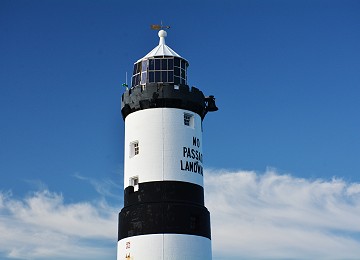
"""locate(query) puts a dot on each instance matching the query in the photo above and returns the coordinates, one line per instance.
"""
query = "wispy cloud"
(254, 216)
(42, 226)
(274, 216)
(104, 187)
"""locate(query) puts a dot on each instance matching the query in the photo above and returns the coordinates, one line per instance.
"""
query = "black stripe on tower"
(164, 207)
(153, 95)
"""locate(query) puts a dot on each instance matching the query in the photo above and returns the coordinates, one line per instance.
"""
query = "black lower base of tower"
(164, 207)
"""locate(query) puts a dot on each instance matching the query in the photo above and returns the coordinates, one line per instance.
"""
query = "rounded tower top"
(159, 79)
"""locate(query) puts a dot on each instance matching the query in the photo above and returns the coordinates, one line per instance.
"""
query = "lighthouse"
(164, 215)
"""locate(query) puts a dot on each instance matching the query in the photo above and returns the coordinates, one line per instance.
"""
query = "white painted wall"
(162, 136)
(165, 247)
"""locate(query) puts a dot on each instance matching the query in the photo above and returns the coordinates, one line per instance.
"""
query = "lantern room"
(161, 65)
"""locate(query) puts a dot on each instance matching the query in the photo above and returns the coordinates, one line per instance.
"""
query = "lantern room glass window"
(160, 69)
(152, 64)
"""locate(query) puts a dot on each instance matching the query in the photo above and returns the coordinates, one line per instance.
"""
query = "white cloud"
(41, 226)
(254, 216)
(273, 216)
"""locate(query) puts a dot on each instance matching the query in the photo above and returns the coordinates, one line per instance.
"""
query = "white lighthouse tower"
(164, 216)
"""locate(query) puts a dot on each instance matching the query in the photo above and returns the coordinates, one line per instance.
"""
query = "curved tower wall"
(169, 150)
(165, 247)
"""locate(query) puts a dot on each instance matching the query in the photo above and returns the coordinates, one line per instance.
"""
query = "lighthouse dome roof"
(162, 49)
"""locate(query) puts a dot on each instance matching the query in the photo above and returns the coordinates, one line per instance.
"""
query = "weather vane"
(159, 26)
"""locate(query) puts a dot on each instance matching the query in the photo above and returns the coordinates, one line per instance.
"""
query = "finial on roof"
(162, 34)
(162, 49)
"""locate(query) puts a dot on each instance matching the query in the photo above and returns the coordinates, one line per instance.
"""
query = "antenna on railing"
(126, 81)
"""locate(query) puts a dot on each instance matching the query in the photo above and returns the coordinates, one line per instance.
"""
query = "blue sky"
(285, 141)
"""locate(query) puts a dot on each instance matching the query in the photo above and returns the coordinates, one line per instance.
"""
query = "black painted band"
(164, 207)
(155, 95)
(164, 191)
(164, 218)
